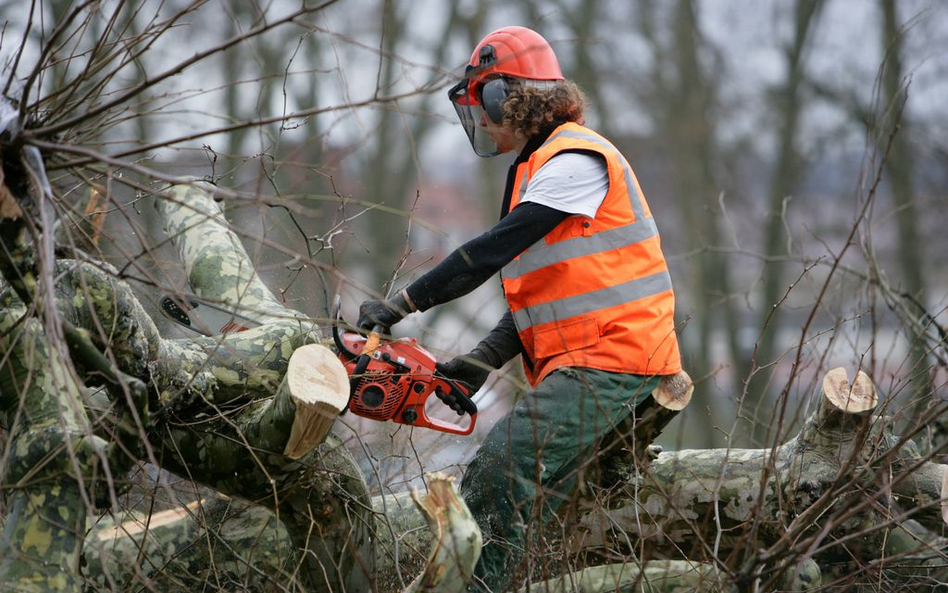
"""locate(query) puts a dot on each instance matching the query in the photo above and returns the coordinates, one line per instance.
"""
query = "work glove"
(472, 369)
(385, 313)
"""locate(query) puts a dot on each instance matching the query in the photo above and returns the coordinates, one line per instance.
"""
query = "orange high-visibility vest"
(594, 292)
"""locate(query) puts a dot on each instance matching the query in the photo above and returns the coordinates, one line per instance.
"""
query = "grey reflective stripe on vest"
(626, 169)
(593, 301)
(540, 254)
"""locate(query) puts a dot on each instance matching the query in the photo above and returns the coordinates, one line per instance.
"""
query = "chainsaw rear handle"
(440, 383)
(444, 426)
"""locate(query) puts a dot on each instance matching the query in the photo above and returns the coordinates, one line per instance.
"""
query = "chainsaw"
(203, 316)
(389, 379)
(393, 380)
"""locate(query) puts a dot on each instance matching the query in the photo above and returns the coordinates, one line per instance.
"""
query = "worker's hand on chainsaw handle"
(471, 370)
(493, 352)
(450, 400)
(384, 313)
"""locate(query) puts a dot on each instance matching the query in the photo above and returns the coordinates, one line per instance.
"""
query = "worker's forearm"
(476, 261)
(501, 344)
(454, 277)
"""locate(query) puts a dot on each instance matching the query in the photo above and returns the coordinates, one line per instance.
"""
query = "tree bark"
(818, 487)
(50, 465)
(220, 425)
(213, 544)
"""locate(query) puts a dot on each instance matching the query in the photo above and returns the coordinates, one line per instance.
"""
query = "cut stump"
(319, 387)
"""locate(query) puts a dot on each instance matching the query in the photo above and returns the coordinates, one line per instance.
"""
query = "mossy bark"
(842, 478)
(217, 422)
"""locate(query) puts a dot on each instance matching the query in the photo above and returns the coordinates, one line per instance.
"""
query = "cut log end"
(674, 391)
(456, 539)
(319, 386)
(856, 398)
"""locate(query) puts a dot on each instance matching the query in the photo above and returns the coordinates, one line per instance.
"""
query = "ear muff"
(493, 96)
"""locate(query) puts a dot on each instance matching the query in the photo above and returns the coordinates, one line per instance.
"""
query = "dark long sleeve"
(501, 344)
(476, 261)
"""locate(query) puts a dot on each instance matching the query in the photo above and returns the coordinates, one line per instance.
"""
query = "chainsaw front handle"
(459, 393)
(368, 349)
(373, 341)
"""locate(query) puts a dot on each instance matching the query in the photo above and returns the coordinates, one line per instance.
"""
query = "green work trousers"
(529, 463)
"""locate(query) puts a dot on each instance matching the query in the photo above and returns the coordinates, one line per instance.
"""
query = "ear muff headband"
(493, 95)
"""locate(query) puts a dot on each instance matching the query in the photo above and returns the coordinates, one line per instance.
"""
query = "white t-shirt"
(572, 182)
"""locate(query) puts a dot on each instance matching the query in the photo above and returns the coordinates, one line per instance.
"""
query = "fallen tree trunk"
(819, 496)
(816, 490)
(831, 492)
(219, 424)
(228, 543)
(239, 542)
(215, 543)
(657, 576)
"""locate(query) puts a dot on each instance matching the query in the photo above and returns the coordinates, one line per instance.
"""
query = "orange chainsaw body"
(397, 382)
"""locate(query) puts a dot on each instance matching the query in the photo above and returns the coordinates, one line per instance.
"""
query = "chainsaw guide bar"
(203, 316)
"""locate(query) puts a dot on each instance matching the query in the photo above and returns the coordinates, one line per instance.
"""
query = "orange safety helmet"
(507, 54)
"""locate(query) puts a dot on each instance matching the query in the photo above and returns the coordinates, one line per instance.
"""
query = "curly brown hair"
(529, 109)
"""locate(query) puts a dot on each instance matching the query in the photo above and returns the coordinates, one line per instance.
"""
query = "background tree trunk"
(757, 375)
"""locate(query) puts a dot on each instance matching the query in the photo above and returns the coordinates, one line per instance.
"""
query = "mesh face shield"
(475, 107)
(503, 60)
(478, 100)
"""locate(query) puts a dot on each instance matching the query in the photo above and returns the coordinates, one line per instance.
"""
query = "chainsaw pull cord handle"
(362, 362)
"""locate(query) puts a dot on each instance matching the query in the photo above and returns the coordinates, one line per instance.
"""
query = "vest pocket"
(565, 336)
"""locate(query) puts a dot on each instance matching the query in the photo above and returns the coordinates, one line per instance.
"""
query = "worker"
(591, 306)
